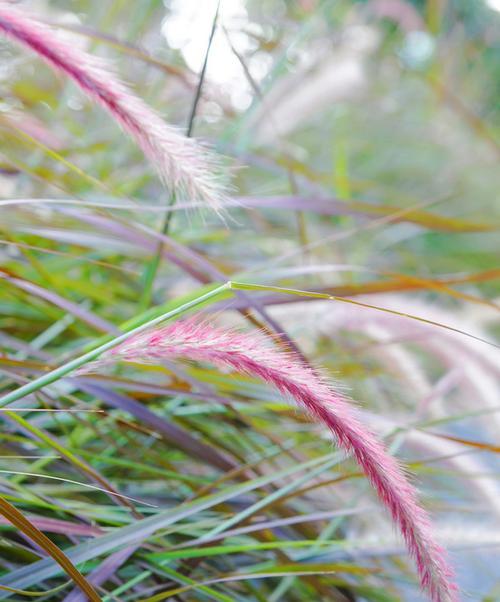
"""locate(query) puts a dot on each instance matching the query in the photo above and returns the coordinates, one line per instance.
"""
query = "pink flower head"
(251, 354)
(183, 164)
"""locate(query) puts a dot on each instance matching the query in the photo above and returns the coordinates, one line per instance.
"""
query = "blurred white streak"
(329, 76)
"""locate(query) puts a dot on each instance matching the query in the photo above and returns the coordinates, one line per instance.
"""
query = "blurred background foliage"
(364, 142)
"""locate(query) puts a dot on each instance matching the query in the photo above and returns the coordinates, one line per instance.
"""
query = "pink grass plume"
(253, 355)
(184, 165)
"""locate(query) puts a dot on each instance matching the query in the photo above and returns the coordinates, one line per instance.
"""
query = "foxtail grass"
(251, 354)
(186, 166)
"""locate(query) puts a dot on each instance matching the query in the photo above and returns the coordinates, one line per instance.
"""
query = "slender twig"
(202, 74)
(152, 268)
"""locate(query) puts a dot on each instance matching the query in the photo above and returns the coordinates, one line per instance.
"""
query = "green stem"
(152, 268)
(197, 95)
(246, 286)
(93, 354)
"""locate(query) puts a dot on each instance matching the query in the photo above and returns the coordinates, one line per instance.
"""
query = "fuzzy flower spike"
(251, 354)
(183, 164)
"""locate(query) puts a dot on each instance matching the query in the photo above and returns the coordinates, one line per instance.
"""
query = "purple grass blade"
(63, 527)
(103, 572)
(73, 308)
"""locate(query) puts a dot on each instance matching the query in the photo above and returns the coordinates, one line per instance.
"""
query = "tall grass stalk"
(250, 354)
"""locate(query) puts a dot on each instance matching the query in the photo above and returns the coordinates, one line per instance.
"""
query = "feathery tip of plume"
(185, 165)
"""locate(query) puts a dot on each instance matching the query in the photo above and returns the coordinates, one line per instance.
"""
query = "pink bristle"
(184, 164)
(251, 354)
